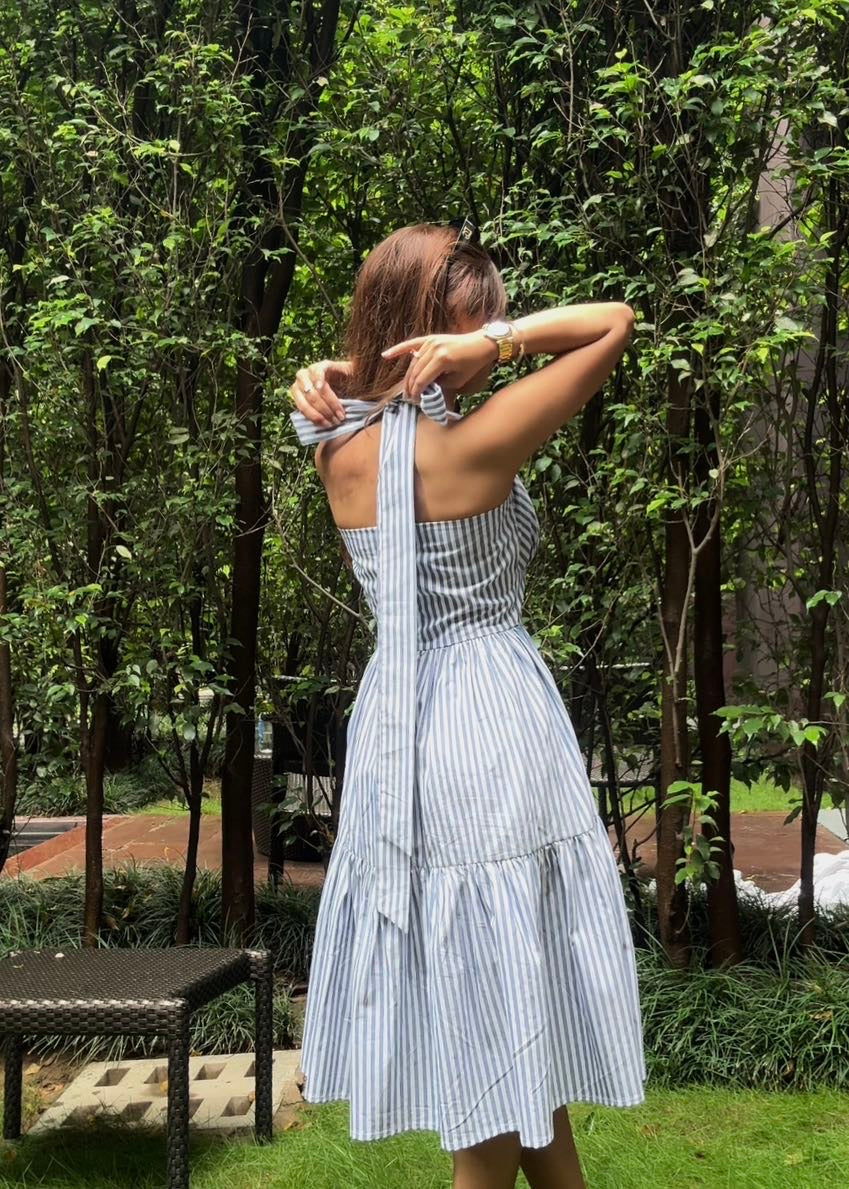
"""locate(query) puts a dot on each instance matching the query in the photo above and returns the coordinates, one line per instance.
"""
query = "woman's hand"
(313, 396)
(452, 358)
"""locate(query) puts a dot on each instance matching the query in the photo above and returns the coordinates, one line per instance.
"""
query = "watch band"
(505, 349)
(506, 343)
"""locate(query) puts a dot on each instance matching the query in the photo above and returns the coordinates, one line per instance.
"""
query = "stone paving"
(765, 850)
(221, 1092)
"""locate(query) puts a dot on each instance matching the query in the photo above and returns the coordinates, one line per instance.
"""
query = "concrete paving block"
(221, 1091)
(835, 821)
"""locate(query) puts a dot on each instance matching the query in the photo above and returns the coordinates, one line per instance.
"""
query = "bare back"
(445, 486)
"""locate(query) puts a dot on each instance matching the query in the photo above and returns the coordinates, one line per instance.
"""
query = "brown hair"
(417, 281)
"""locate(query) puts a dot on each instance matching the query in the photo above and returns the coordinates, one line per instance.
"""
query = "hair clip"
(468, 232)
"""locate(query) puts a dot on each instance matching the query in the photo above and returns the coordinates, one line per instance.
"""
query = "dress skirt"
(515, 989)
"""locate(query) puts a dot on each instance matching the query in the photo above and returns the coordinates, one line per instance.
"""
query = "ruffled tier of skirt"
(514, 992)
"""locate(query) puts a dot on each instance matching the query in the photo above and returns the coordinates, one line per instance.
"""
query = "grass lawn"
(698, 1137)
(755, 798)
(761, 797)
(210, 806)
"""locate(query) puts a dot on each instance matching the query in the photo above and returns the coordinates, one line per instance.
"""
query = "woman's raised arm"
(507, 429)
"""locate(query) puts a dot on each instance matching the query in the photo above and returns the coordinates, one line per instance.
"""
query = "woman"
(473, 969)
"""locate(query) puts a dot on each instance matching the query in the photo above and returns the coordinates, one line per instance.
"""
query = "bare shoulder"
(452, 467)
(459, 449)
(345, 465)
(327, 450)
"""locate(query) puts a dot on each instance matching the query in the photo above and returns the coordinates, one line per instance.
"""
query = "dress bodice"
(470, 572)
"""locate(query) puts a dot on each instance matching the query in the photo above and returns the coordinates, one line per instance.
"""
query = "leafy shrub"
(745, 1026)
(123, 792)
(140, 906)
(58, 796)
(160, 732)
(771, 935)
(777, 1021)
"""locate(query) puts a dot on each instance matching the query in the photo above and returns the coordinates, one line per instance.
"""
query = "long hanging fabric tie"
(397, 629)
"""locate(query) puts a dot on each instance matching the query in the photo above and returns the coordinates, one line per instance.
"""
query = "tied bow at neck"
(397, 629)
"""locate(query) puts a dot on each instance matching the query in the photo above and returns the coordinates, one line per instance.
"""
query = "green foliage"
(604, 156)
(125, 223)
(140, 909)
(775, 1023)
(745, 1026)
(66, 797)
(770, 932)
(581, 147)
(696, 863)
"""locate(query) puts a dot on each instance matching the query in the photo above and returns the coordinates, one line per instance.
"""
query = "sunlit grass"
(210, 806)
(698, 1137)
(762, 796)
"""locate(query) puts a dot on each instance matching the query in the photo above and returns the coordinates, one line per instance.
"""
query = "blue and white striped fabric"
(396, 633)
(473, 967)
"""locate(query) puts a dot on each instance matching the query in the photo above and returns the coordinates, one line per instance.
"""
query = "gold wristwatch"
(504, 335)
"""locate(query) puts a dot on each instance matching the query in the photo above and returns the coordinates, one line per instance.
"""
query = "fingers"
(311, 383)
(314, 397)
(303, 406)
(318, 372)
(418, 364)
(344, 367)
(429, 364)
(337, 369)
(400, 348)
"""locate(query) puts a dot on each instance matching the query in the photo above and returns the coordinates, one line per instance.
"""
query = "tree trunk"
(92, 728)
(237, 884)
(119, 740)
(726, 940)
(683, 205)
(14, 249)
(619, 825)
(825, 521)
(198, 759)
(265, 285)
(95, 752)
(8, 751)
(674, 749)
(183, 932)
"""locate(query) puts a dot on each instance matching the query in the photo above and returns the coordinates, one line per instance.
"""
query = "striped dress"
(473, 967)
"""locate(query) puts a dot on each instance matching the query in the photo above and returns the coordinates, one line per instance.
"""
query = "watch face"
(497, 328)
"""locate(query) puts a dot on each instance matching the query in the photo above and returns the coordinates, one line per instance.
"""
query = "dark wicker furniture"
(134, 991)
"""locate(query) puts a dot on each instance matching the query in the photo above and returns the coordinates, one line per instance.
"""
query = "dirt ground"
(44, 1079)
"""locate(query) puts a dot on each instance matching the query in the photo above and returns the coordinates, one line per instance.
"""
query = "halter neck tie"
(397, 628)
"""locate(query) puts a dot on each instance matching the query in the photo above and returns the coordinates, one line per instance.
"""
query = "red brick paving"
(147, 838)
(766, 851)
(55, 846)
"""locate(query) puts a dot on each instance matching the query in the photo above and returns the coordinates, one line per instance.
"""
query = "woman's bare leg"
(493, 1164)
(557, 1166)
